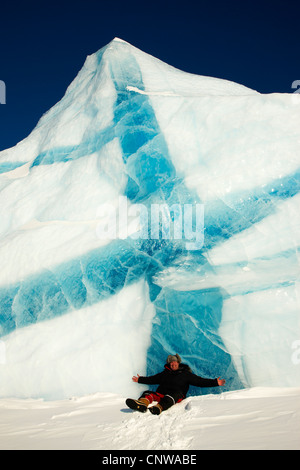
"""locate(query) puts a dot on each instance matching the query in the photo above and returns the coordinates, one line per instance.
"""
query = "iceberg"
(151, 211)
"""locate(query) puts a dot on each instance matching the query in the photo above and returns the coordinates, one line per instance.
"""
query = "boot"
(144, 401)
(156, 409)
(139, 405)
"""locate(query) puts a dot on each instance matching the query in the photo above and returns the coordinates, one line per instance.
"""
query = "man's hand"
(221, 382)
(135, 379)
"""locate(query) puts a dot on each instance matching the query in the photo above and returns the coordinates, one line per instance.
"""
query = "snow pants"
(165, 401)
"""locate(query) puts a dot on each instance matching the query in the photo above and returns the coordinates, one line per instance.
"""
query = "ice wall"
(84, 306)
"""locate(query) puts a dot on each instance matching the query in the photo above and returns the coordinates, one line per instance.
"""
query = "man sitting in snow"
(174, 382)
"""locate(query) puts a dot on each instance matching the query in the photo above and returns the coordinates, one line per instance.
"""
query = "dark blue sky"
(43, 45)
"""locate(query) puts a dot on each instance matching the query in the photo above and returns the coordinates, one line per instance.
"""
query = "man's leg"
(151, 396)
(142, 403)
(164, 404)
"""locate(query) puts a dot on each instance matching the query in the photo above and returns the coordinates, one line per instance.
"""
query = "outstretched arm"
(151, 380)
(201, 382)
(221, 382)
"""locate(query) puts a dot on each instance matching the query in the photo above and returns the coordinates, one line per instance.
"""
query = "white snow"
(256, 418)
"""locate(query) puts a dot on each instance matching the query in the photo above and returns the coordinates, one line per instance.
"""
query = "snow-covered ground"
(256, 418)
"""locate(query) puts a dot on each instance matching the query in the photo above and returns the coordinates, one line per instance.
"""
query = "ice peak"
(118, 40)
(182, 83)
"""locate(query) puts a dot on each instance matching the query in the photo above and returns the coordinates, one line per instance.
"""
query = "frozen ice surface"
(81, 313)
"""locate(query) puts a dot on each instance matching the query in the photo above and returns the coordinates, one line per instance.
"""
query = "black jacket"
(176, 382)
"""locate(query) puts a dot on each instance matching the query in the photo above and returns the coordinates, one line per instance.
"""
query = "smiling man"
(173, 381)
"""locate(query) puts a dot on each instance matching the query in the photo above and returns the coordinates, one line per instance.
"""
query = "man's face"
(174, 365)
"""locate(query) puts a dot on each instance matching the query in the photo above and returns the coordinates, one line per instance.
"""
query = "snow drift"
(91, 292)
(251, 419)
